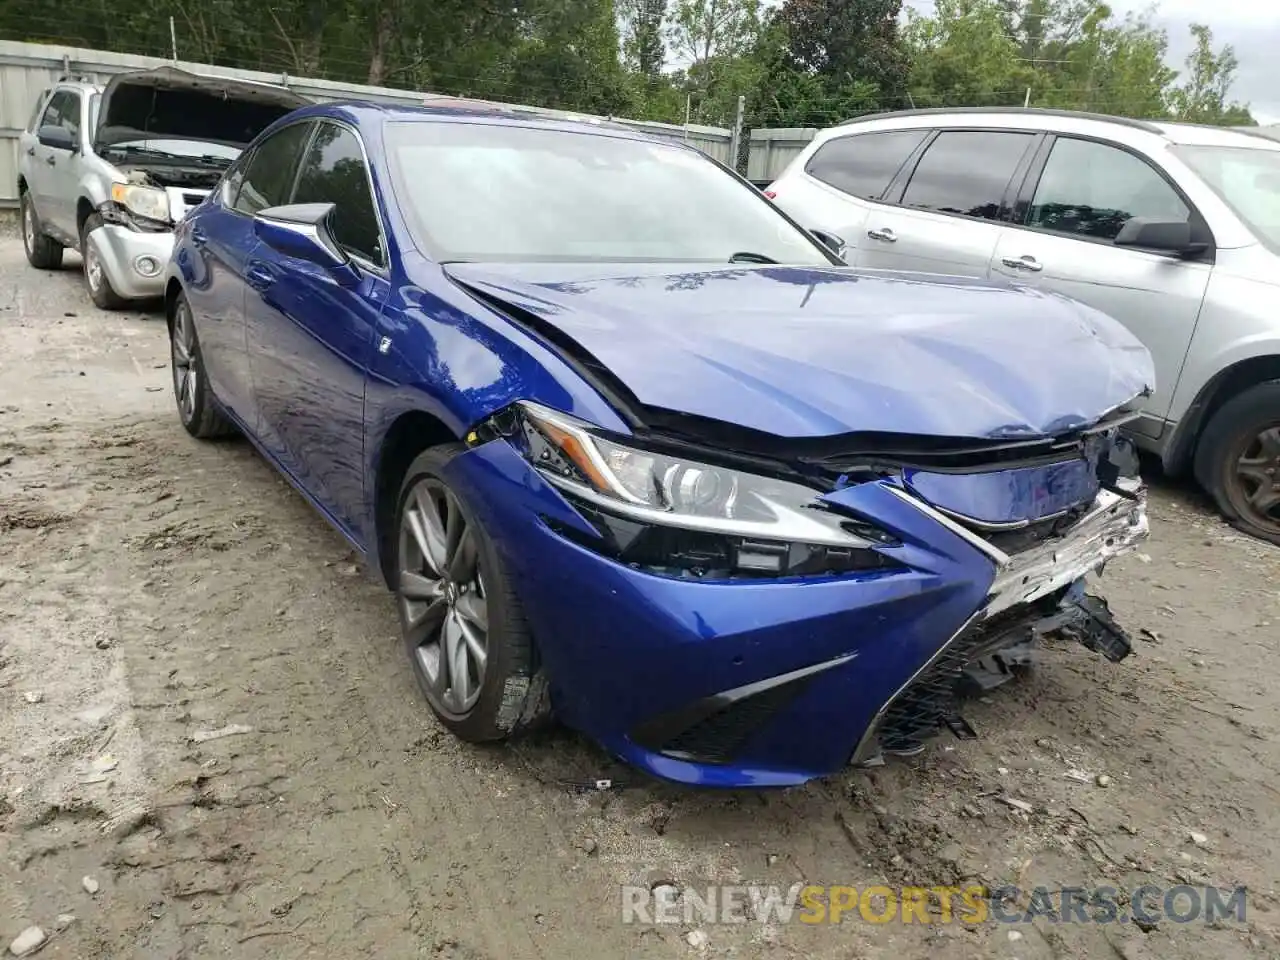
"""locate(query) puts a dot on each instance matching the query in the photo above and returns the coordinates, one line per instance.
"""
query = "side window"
(966, 172)
(334, 172)
(268, 176)
(1091, 189)
(862, 165)
(63, 111)
(34, 124)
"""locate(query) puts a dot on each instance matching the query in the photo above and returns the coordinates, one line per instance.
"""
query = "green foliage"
(794, 62)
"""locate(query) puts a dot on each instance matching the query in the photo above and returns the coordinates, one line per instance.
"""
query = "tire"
(475, 606)
(43, 252)
(1238, 460)
(197, 408)
(95, 277)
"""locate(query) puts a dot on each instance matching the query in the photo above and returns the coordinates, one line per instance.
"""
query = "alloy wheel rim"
(185, 372)
(1257, 478)
(92, 267)
(29, 226)
(443, 604)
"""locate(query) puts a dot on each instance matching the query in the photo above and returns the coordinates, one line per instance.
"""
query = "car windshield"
(501, 192)
(1247, 179)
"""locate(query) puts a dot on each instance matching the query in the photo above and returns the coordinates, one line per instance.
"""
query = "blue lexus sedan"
(631, 447)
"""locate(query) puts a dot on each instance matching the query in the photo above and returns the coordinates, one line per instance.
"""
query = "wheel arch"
(172, 290)
(411, 433)
(84, 210)
(1227, 383)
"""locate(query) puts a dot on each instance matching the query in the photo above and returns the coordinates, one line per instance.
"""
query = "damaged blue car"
(630, 446)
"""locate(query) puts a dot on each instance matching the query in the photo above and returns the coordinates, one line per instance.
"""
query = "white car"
(1173, 229)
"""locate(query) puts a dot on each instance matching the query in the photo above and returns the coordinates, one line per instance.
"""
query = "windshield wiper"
(748, 256)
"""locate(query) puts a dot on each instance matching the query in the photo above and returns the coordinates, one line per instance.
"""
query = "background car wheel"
(196, 407)
(1238, 460)
(43, 252)
(463, 627)
(95, 276)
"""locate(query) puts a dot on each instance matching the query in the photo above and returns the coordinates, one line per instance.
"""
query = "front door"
(1085, 194)
(311, 339)
(51, 181)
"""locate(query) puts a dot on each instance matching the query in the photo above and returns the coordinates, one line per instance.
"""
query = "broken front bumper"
(133, 260)
(1035, 592)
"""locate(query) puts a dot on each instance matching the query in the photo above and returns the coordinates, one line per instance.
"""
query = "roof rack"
(1031, 111)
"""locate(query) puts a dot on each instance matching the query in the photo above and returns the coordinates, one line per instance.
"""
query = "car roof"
(1065, 121)
(445, 109)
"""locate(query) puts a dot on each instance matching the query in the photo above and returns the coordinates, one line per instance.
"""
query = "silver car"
(1173, 229)
(109, 170)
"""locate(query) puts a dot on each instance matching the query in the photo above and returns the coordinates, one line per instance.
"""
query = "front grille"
(929, 701)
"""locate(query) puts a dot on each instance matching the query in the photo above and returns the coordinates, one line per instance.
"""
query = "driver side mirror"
(1164, 236)
(301, 230)
(59, 138)
(832, 242)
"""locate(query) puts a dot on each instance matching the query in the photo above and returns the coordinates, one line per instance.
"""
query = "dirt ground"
(154, 589)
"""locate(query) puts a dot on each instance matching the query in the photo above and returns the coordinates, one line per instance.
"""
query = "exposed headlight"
(148, 202)
(660, 511)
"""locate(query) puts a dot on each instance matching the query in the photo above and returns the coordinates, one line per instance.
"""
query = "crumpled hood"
(822, 351)
(174, 104)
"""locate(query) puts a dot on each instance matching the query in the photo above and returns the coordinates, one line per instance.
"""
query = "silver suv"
(108, 171)
(1173, 229)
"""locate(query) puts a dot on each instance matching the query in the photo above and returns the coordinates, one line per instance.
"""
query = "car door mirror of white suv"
(59, 138)
(1165, 236)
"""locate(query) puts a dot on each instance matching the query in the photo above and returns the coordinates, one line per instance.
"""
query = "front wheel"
(43, 252)
(463, 628)
(95, 274)
(1238, 460)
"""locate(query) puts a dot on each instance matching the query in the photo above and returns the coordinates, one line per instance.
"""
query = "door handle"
(259, 276)
(883, 233)
(51, 160)
(1025, 262)
(31, 151)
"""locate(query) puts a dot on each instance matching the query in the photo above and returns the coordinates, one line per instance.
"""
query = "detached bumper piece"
(985, 655)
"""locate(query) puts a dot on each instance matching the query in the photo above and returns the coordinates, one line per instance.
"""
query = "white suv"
(1173, 229)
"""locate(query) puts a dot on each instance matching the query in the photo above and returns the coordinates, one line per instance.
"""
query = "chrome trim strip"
(997, 556)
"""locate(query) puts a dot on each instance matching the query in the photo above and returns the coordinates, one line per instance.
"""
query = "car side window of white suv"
(63, 111)
(1090, 189)
(863, 165)
(967, 172)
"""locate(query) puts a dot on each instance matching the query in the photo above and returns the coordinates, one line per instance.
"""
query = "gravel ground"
(154, 589)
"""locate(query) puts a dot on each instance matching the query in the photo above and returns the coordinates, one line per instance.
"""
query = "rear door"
(843, 181)
(311, 338)
(1078, 195)
(950, 206)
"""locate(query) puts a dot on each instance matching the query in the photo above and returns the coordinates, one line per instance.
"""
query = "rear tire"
(95, 275)
(43, 252)
(462, 625)
(197, 408)
(1238, 460)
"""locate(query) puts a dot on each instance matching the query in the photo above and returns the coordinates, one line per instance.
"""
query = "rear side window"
(864, 164)
(334, 172)
(268, 177)
(966, 172)
(1091, 190)
(33, 125)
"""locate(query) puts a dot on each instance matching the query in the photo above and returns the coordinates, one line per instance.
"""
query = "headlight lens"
(148, 202)
(661, 511)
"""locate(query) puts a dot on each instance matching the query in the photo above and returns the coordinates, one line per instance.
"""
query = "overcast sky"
(1252, 27)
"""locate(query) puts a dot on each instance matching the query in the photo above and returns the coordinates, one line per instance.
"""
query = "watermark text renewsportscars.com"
(970, 905)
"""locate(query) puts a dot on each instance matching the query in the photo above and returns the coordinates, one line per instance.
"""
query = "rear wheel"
(197, 409)
(95, 275)
(463, 628)
(1238, 460)
(43, 252)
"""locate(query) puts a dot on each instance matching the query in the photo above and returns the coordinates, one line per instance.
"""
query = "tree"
(1203, 97)
(847, 42)
(642, 42)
